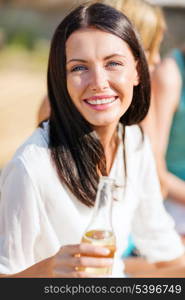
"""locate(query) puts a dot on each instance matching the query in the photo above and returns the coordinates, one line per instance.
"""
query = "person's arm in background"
(149, 125)
(149, 270)
(166, 88)
(159, 245)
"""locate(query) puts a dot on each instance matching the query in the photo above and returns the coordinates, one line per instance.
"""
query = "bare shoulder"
(167, 74)
(167, 84)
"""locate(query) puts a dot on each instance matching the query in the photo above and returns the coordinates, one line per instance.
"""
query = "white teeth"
(102, 101)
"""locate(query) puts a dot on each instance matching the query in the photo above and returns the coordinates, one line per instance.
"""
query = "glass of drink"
(100, 231)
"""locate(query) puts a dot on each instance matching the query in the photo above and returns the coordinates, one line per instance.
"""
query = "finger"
(63, 270)
(76, 274)
(81, 274)
(66, 268)
(84, 249)
(85, 261)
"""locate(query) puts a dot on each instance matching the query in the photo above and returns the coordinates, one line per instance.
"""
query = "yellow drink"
(100, 238)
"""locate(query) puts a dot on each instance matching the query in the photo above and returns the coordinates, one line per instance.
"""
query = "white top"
(38, 214)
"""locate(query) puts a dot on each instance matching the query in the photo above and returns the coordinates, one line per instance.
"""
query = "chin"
(104, 118)
(102, 123)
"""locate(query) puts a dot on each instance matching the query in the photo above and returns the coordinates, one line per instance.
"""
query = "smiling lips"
(100, 102)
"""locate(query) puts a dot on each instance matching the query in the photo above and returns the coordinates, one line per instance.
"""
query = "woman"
(98, 86)
(169, 92)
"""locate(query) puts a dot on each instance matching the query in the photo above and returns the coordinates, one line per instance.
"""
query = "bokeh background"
(26, 28)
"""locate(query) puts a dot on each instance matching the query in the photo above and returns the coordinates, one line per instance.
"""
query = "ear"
(136, 79)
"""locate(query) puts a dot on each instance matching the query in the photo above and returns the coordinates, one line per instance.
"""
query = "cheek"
(75, 86)
(72, 87)
(127, 76)
(124, 83)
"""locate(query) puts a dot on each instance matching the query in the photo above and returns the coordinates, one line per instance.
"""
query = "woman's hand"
(72, 260)
(69, 262)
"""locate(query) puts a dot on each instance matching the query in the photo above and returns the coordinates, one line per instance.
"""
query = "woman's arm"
(176, 188)
(140, 267)
(173, 269)
(70, 261)
(40, 269)
(153, 229)
(21, 229)
(166, 89)
(149, 125)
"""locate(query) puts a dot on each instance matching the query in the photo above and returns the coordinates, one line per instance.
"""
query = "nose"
(98, 80)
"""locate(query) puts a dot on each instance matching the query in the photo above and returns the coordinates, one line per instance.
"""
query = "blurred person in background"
(96, 94)
(169, 93)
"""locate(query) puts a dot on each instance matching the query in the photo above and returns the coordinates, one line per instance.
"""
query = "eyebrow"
(105, 58)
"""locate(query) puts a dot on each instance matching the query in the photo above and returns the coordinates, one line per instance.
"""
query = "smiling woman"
(101, 84)
(99, 89)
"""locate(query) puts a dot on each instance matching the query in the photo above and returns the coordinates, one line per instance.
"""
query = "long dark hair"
(75, 149)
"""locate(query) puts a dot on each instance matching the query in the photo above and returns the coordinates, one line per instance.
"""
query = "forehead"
(91, 41)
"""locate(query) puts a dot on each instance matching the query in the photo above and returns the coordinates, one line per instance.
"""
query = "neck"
(107, 135)
(109, 139)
